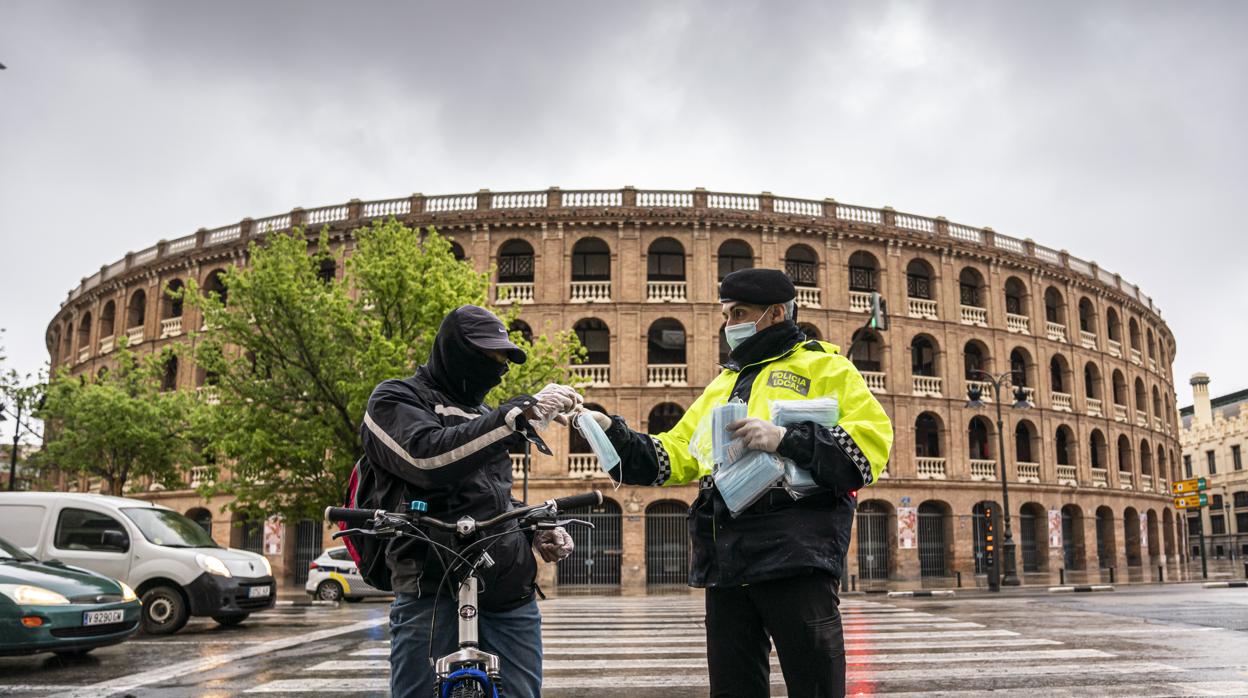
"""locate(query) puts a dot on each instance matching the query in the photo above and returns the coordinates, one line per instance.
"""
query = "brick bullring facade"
(635, 272)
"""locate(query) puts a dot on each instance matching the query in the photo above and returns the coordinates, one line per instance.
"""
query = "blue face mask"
(735, 334)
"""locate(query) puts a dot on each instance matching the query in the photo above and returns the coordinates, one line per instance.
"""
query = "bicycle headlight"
(27, 595)
(212, 565)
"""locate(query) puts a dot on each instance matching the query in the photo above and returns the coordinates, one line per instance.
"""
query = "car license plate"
(102, 617)
(258, 592)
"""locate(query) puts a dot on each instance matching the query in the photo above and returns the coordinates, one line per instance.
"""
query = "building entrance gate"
(872, 541)
(667, 544)
(932, 543)
(595, 561)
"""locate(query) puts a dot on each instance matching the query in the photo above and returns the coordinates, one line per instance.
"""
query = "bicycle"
(468, 672)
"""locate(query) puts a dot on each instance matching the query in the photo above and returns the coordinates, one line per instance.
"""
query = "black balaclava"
(462, 370)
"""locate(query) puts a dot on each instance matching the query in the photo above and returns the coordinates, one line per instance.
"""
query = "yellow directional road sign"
(1191, 501)
(1190, 486)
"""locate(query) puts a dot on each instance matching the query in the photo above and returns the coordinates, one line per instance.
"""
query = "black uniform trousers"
(800, 614)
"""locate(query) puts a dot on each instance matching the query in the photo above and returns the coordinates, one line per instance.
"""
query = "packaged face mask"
(608, 458)
(743, 482)
(724, 449)
(823, 411)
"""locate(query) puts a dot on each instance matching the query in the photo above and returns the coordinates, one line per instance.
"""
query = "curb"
(926, 592)
(1224, 585)
(1081, 588)
(304, 602)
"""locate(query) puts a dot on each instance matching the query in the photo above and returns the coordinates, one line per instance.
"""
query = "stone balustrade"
(517, 466)
(1141, 420)
(1136, 358)
(1019, 324)
(875, 381)
(1028, 472)
(922, 308)
(84, 354)
(1061, 401)
(1100, 477)
(591, 292)
(983, 469)
(134, 336)
(1146, 482)
(927, 385)
(808, 297)
(1030, 394)
(514, 292)
(974, 316)
(594, 375)
(1114, 348)
(170, 327)
(583, 465)
(1094, 407)
(984, 388)
(107, 344)
(1087, 339)
(667, 374)
(1126, 480)
(1055, 331)
(859, 301)
(930, 468)
(667, 292)
(1120, 413)
(1067, 475)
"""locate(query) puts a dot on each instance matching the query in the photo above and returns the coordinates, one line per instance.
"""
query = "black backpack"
(369, 553)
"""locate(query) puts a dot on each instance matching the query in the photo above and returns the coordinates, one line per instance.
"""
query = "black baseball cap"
(482, 329)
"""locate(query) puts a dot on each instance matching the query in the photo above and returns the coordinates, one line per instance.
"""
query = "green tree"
(120, 425)
(295, 355)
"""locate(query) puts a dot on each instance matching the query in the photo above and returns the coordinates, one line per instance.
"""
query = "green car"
(52, 607)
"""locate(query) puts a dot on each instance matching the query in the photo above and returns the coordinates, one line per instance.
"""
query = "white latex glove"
(553, 545)
(757, 434)
(553, 402)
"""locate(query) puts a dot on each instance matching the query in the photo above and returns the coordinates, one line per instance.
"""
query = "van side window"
(79, 529)
(22, 523)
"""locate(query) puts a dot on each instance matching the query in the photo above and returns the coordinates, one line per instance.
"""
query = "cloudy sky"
(1113, 129)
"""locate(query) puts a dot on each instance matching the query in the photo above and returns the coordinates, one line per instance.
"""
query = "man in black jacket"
(431, 439)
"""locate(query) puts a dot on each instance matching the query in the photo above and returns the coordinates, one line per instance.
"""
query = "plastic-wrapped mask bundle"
(823, 411)
(743, 482)
(608, 459)
(724, 449)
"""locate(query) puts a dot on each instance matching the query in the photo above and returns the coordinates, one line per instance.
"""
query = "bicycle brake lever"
(581, 522)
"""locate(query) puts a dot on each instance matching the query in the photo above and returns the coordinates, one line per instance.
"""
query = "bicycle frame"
(469, 653)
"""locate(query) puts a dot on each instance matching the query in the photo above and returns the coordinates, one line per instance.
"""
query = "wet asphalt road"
(1173, 640)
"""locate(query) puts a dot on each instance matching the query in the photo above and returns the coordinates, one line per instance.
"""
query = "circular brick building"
(1088, 461)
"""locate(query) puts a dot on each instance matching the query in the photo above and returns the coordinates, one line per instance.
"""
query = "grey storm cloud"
(1112, 129)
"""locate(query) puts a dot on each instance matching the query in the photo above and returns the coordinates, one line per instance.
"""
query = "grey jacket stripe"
(440, 460)
(451, 410)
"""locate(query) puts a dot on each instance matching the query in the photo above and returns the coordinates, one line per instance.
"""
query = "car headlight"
(127, 594)
(27, 595)
(212, 565)
(268, 569)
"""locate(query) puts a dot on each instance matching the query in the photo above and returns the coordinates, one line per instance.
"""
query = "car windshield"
(10, 552)
(168, 528)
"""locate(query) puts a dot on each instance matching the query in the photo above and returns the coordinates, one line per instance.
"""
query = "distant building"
(1214, 437)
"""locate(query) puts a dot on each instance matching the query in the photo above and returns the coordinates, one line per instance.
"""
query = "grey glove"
(553, 545)
(757, 434)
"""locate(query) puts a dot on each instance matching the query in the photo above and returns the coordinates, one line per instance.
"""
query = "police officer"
(772, 571)
(430, 438)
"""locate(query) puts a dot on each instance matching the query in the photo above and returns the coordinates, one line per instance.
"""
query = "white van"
(172, 564)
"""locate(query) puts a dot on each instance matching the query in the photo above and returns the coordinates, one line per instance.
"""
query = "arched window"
(979, 442)
(169, 376)
(84, 332)
(1124, 454)
(970, 288)
(515, 262)
(1120, 388)
(1054, 306)
(923, 356)
(1063, 444)
(1087, 316)
(974, 358)
(1072, 537)
(919, 278)
(927, 436)
(874, 539)
(1092, 381)
(1024, 435)
(935, 551)
(596, 338)
(1015, 296)
(1152, 344)
(802, 266)
(867, 353)
(1020, 368)
(1133, 329)
(1146, 459)
(1157, 409)
(327, 270)
(1113, 326)
(136, 310)
(663, 417)
(201, 516)
(171, 304)
(1141, 398)
(215, 284)
(525, 331)
(665, 342)
(809, 330)
(108, 319)
(457, 251)
(1097, 448)
(665, 261)
(1105, 541)
(1058, 371)
(734, 255)
(863, 272)
(591, 260)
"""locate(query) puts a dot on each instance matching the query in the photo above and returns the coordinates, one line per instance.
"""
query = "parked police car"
(333, 577)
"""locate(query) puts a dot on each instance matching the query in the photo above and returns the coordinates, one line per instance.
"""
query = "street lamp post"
(1003, 564)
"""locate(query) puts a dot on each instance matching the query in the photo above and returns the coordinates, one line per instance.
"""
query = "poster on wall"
(273, 530)
(1055, 528)
(907, 527)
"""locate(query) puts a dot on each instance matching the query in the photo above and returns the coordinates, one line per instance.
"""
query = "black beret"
(757, 287)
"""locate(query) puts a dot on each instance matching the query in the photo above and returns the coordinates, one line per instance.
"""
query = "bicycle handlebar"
(363, 516)
(351, 516)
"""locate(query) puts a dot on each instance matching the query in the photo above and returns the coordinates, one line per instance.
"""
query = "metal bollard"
(960, 575)
(1061, 575)
(1161, 573)
(1111, 575)
(853, 582)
